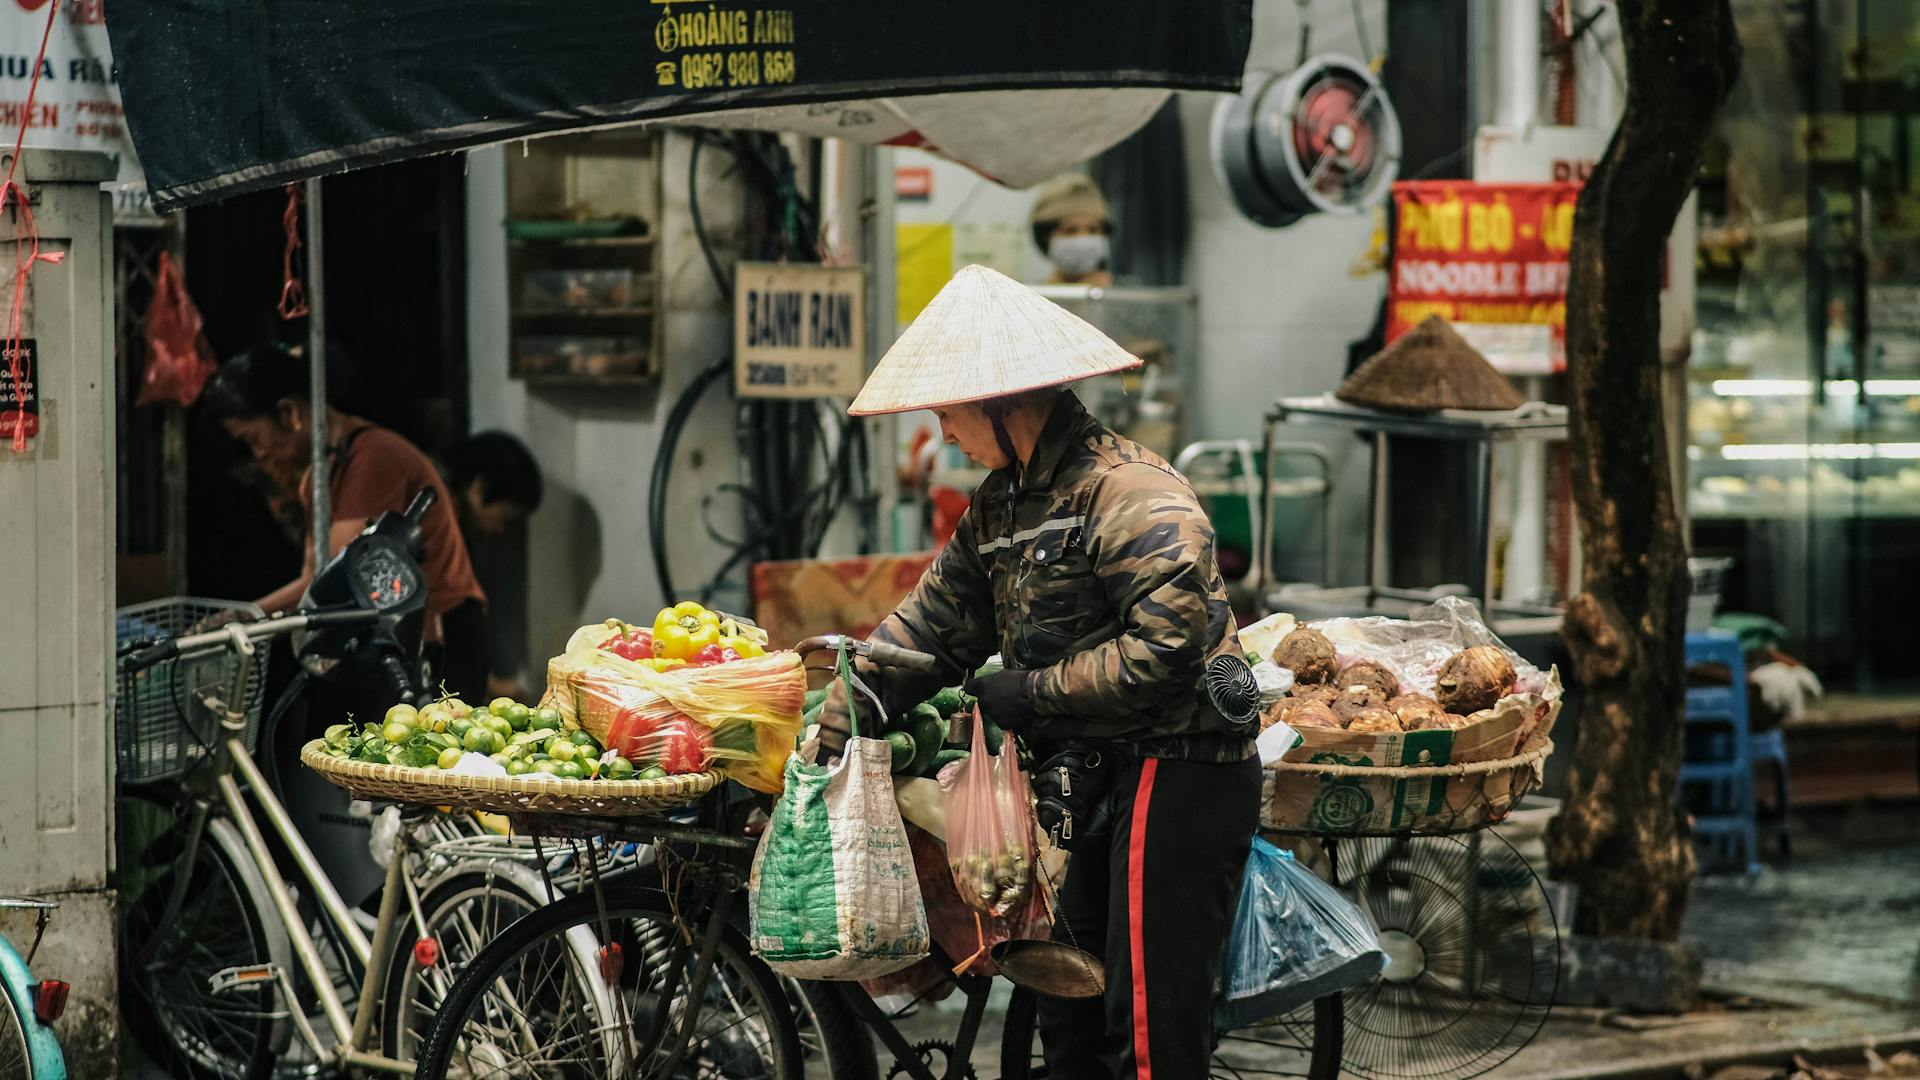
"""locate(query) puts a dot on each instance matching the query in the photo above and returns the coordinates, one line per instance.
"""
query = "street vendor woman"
(1086, 563)
(260, 397)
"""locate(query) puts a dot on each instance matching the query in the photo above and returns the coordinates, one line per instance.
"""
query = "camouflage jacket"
(1093, 570)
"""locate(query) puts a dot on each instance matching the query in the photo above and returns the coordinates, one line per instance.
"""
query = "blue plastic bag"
(1294, 939)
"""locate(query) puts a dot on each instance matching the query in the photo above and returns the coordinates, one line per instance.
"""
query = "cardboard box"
(798, 599)
(1408, 798)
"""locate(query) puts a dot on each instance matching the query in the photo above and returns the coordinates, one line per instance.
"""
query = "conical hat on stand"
(1430, 368)
(986, 336)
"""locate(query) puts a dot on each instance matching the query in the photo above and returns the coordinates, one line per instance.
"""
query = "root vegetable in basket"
(1367, 673)
(1418, 712)
(1354, 699)
(1310, 714)
(1325, 695)
(1375, 718)
(1473, 679)
(1308, 654)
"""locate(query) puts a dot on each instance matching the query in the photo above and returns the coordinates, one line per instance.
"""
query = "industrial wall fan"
(1322, 139)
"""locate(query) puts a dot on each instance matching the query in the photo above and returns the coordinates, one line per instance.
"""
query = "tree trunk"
(1622, 836)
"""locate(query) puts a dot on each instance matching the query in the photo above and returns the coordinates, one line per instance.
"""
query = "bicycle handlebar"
(273, 626)
(879, 652)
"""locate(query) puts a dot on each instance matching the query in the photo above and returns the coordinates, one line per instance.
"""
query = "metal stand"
(1533, 422)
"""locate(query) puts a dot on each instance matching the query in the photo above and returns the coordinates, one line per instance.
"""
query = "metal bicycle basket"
(160, 733)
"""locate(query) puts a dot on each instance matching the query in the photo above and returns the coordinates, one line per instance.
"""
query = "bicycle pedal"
(252, 976)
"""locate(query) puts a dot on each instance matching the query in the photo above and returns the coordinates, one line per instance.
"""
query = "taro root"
(1325, 694)
(1440, 720)
(1310, 714)
(1417, 712)
(1368, 673)
(1376, 718)
(1308, 654)
(1473, 679)
(1275, 712)
(1355, 698)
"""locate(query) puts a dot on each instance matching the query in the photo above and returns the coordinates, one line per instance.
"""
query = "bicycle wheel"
(531, 1006)
(1306, 1043)
(463, 909)
(16, 1057)
(227, 921)
(833, 1041)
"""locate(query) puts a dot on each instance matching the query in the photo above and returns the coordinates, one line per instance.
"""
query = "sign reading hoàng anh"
(1491, 258)
(799, 330)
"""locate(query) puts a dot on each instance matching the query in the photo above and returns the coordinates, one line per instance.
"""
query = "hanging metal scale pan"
(1323, 139)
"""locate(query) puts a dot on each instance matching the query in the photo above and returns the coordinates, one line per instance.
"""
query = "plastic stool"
(1716, 779)
(1725, 843)
(1770, 747)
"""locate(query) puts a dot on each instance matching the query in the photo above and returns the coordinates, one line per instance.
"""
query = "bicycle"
(218, 972)
(28, 1006)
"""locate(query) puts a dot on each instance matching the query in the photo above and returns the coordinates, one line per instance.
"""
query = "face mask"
(1078, 255)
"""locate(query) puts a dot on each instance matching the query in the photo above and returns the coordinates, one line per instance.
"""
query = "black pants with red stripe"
(1156, 902)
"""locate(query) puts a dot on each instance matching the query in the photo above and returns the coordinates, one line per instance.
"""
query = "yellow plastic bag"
(745, 713)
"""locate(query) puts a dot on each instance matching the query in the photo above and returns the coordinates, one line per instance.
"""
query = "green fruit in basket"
(499, 726)
(372, 748)
(519, 716)
(582, 737)
(397, 731)
(544, 720)
(903, 748)
(479, 740)
(548, 766)
(404, 713)
(499, 706)
(337, 735)
(449, 757)
(617, 769)
(416, 754)
(441, 740)
(459, 728)
(651, 772)
(562, 750)
(570, 770)
(456, 707)
(519, 766)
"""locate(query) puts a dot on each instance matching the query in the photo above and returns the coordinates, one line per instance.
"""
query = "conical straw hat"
(1430, 368)
(986, 336)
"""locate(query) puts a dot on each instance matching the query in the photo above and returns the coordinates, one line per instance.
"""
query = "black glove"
(1006, 698)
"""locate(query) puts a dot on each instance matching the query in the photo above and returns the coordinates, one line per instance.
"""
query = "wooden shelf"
(569, 379)
(645, 240)
(555, 314)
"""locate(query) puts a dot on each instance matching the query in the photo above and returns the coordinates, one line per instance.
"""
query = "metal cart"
(1534, 421)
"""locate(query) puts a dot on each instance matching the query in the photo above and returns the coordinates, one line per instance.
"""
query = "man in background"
(496, 486)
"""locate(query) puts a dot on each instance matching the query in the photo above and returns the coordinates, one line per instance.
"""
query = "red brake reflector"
(50, 1000)
(426, 952)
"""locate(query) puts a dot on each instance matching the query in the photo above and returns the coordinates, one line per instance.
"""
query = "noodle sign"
(799, 330)
(1489, 257)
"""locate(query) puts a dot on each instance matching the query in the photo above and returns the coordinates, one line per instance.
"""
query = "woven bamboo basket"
(1327, 799)
(505, 795)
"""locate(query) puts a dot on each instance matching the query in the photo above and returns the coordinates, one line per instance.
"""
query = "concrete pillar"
(56, 632)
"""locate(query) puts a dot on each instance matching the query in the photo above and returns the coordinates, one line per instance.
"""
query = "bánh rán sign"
(799, 330)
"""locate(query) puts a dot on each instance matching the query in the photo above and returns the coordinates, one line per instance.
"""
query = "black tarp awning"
(227, 96)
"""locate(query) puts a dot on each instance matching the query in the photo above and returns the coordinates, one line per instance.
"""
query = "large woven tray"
(433, 787)
(1329, 799)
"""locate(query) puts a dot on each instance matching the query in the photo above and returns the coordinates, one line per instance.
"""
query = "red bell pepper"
(633, 643)
(684, 746)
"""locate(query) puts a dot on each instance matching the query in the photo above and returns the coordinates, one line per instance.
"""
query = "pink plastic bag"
(179, 360)
(990, 828)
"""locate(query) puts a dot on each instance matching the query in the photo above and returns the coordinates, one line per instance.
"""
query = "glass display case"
(1804, 383)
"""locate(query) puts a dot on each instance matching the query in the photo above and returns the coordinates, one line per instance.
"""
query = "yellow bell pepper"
(745, 646)
(681, 631)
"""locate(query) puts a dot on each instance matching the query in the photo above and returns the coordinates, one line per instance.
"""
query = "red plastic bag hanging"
(179, 360)
(990, 828)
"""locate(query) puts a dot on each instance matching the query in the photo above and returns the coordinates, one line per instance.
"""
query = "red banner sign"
(1491, 259)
